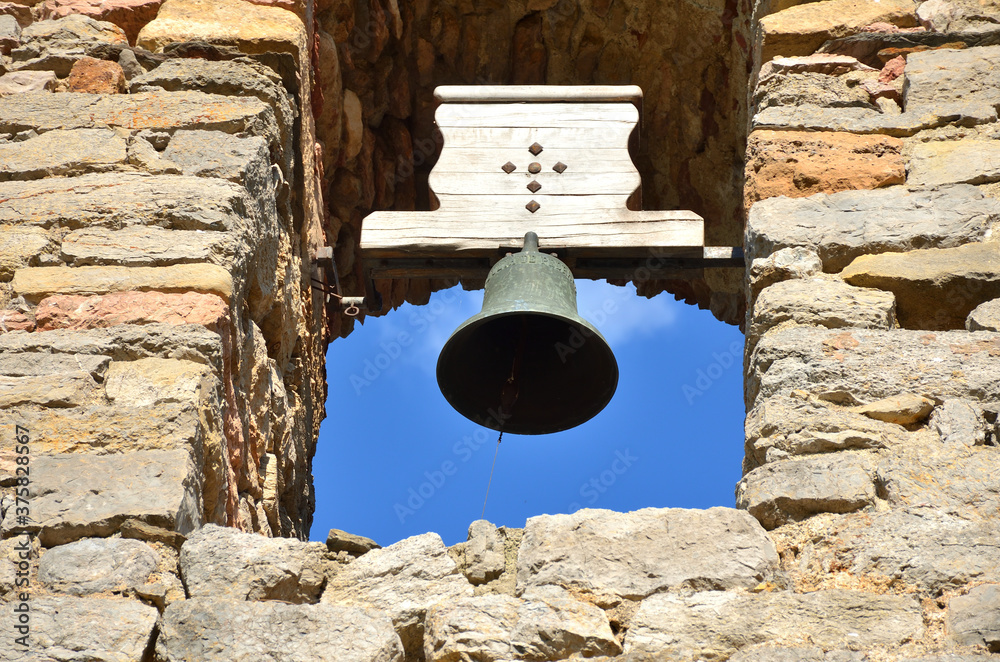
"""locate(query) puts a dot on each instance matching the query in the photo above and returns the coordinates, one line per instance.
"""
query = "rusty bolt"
(533, 186)
(508, 167)
(534, 168)
(532, 206)
(535, 149)
(560, 167)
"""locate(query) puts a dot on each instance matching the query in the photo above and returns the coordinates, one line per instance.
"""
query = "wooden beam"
(536, 93)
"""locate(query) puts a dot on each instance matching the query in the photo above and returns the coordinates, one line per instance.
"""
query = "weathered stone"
(221, 562)
(945, 81)
(810, 117)
(219, 630)
(342, 541)
(12, 320)
(153, 381)
(125, 342)
(801, 30)
(951, 478)
(716, 624)
(22, 13)
(781, 426)
(10, 33)
(631, 555)
(827, 302)
(251, 28)
(94, 312)
(985, 317)
(129, 15)
(144, 156)
(37, 365)
(67, 389)
(483, 553)
(919, 548)
(56, 45)
(783, 264)
(129, 64)
(63, 628)
(797, 164)
(36, 283)
(145, 110)
(62, 153)
(81, 496)
(935, 288)
(214, 154)
(902, 409)
(968, 161)
(17, 82)
(93, 565)
(404, 580)
(958, 422)
(959, 16)
(945, 364)
(842, 226)
(353, 126)
(120, 199)
(767, 653)
(974, 618)
(794, 489)
(96, 77)
(546, 625)
(140, 246)
(831, 65)
(20, 247)
(820, 89)
(139, 530)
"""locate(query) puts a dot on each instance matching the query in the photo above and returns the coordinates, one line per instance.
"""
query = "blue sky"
(395, 460)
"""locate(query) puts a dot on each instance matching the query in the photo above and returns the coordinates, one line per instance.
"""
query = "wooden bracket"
(553, 160)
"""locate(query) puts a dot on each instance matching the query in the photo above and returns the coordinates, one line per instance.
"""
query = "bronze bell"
(528, 363)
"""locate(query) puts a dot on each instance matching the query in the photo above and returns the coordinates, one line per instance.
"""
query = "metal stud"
(533, 186)
(532, 206)
(508, 167)
(560, 167)
(535, 149)
(534, 168)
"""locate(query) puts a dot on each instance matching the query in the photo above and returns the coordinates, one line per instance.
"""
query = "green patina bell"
(528, 363)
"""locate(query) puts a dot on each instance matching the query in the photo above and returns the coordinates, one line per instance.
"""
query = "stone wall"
(169, 170)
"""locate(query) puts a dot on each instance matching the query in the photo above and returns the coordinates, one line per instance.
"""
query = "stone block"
(945, 80)
(784, 264)
(404, 580)
(801, 30)
(216, 154)
(17, 82)
(788, 425)
(767, 653)
(145, 110)
(219, 562)
(986, 317)
(140, 246)
(794, 489)
(125, 342)
(952, 478)
(92, 76)
(251, 28)
(827, 302)
(119, 200)
(144, 156)
(129, 15)
(67, 389)
(342, 541)
(21, 247)
(22, 13)
(902, 409)
(94, 312)
(63, 628)
(56, 45)
(548, 625)
(482, 555)
(959, 422)
(818, 63)
(21, 364)
(13, 320)
(631, 555)
(61, 153)
(842, 226)
(810, 117)
(916, 548)
(958, 16)
(93, 565)
(84, 496)
(870, 365)
(793, 89)
(36, 283)
(153, 381)
(714, 625)
(935, 288)
(798, 164)
(220, 630)
(968, 161)
(974, 618)
(10, 33)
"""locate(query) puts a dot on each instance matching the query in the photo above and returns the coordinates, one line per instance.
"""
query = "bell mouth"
(567, 373)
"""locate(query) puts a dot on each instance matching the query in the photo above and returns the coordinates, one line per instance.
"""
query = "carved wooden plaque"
(549, 159)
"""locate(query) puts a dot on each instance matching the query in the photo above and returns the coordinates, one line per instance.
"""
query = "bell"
(528, 363)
